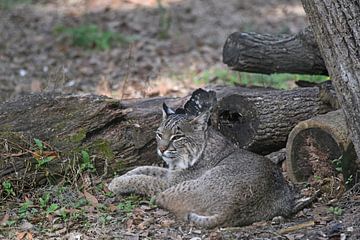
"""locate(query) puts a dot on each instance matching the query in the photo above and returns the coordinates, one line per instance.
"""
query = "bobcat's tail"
(205, 221)
(305, 202)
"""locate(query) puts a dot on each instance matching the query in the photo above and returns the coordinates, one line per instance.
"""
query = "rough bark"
(320, 147)
(120, 134)
(336, 27)
(260, 120)
(264, 53)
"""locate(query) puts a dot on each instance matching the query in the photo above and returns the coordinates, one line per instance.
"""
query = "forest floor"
(128, 48)
(136, 49)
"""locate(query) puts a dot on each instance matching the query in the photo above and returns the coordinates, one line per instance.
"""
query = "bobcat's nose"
(162, 148)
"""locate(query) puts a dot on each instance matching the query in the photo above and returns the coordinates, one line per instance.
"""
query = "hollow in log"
(320, 148)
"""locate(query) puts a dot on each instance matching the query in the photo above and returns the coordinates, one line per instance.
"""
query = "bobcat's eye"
(158, 135)
(176, 137)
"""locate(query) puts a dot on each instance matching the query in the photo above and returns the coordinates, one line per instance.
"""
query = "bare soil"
(34, 58)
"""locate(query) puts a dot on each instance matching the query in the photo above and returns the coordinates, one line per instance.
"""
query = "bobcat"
(209, 181)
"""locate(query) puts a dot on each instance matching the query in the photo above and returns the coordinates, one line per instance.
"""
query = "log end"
(235, 114)
(230, 49)
(319, 149)
(310, 153)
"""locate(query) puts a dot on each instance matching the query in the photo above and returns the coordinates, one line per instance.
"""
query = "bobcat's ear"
(166, 111)
(201, 120)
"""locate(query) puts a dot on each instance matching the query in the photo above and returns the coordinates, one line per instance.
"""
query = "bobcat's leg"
(186, 200)
(139, 184)
(206, 221)
(149, 171)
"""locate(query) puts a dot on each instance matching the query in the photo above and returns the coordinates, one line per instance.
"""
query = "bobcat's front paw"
(122, 185)
(114, 185)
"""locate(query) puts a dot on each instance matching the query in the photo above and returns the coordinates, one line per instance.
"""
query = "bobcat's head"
(181, 138)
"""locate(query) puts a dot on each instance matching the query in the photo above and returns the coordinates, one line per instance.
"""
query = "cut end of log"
(320, 148)
(311, 154)
(235, 114)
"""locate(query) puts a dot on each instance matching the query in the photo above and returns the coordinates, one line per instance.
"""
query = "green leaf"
(85, 156)
(44, 200)
(39, 143)
(52, 208)
(45, 160)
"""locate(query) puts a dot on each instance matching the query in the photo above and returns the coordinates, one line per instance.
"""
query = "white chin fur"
(173, 164)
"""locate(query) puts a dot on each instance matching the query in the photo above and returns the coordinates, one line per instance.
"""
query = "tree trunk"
(260, 120)
(337, 31)
(263, 53)
(119, 135)
(320, 147)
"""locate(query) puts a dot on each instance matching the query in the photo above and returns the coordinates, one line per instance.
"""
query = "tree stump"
(321, 147)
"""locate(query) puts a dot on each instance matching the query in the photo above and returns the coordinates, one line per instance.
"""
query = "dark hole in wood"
(230, 117)
(236, 118)
(312, 152)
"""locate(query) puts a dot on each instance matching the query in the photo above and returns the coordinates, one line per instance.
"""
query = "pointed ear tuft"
(166, 111)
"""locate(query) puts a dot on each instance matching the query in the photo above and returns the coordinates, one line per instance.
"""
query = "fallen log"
(260, 120)
(320, 147)
(264, 53)
(45, 137)
(118, 135)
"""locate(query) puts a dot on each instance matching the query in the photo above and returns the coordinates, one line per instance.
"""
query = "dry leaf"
(167, 223)
(4, 219)
(20, 235)
(112, 208)
(91, 198)
(29, 236)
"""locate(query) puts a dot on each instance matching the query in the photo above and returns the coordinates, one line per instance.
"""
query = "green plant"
(86, 164)
(109, 194)
(128, 205)
(91, 36)
(8, 188)
(63, 214)
(24, 208)
(337, 211)
(10, 223)
(338, 163)
(52, 208)
(317, 178)
(39, 144)
(349, 180)
(276, 80)
(151, 202)
(40, 155)
(80, 203)
(76, 216)
(44, 200)
(105, 218)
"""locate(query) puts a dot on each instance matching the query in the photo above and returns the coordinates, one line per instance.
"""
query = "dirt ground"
(33, 57)
(171, 46)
